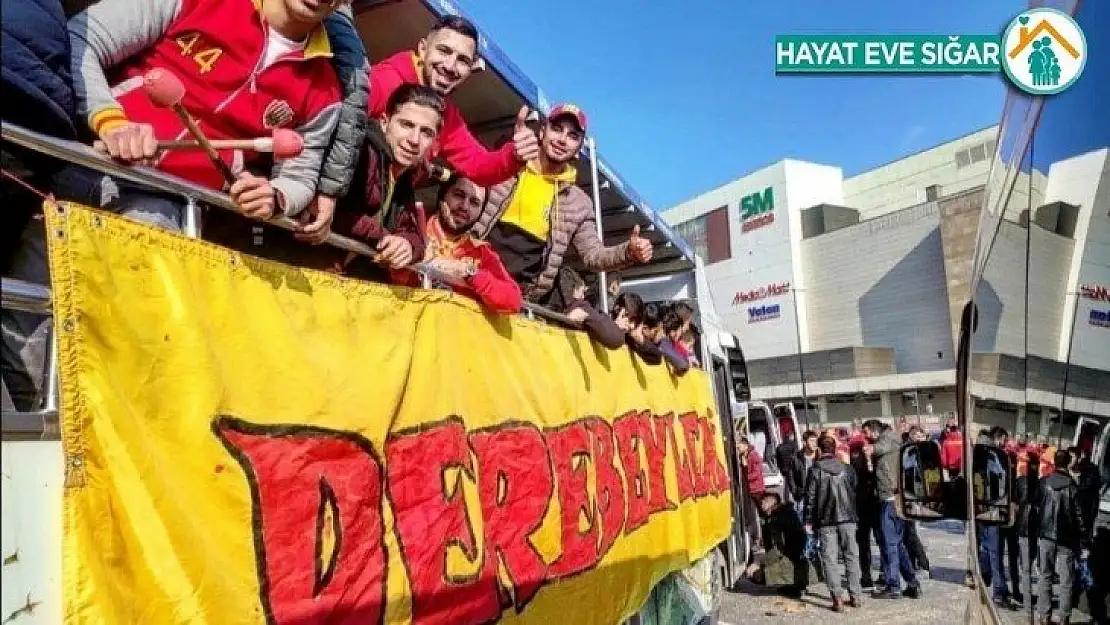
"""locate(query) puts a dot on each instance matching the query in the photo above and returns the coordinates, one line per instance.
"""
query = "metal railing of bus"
(33, 298)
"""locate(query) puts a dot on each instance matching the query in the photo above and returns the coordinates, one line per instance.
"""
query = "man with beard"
(472, 267)
(536, 218)
(443, 60)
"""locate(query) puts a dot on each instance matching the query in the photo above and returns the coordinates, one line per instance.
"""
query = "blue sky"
(683, 97)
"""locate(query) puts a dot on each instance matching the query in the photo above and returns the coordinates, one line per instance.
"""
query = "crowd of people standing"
(841, 491)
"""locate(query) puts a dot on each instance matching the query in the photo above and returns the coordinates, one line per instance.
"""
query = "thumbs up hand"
(525, 142)
(639, 248)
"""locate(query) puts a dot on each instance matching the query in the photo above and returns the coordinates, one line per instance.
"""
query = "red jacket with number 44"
(215, 47)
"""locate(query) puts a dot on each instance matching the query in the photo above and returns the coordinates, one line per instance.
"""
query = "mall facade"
(848, 291)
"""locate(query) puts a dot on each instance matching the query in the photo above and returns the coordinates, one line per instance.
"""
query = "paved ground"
(944, 601)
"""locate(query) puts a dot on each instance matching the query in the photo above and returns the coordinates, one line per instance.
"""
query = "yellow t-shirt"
(533, 200)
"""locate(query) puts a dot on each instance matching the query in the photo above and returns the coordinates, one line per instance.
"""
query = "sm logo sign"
(757, 210)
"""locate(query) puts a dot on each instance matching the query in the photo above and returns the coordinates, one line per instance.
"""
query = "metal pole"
(801, 365)
(191, 218)
(603, 283)
(1030, 542)
(1067, 370)
(50, 392)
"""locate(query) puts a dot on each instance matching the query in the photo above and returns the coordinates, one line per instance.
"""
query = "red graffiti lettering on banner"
(631, 435)
(319, 498)
(570, 455)
(610, 487)
(715, 470)
(515, 487)
(431, 520)
(692, 429)
(656, 441)
(325, 486)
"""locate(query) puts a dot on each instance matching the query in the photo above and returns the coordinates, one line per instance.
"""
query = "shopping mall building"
(849, 290)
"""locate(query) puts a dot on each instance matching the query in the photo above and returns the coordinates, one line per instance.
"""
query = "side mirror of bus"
(923, 497)
(991, 483)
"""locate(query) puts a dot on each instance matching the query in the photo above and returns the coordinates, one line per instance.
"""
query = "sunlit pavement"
(943, 601)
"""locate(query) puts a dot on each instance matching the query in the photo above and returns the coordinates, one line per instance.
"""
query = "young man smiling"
(384, 213)
(470, 266)
(443, 60)
(535, 219)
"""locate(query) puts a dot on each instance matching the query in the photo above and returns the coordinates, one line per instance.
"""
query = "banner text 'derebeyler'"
(252, 443)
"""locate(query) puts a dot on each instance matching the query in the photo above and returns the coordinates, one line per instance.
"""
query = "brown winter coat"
(572, 223)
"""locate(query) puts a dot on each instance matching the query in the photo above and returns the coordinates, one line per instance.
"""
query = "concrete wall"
(959, 223)
(881, 284)
(1001, 296)
(903, 182)
(1049, 256)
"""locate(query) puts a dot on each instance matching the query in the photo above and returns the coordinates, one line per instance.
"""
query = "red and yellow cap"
(569, 110)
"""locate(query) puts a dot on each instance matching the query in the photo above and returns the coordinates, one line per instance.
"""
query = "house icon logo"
(1044, 51)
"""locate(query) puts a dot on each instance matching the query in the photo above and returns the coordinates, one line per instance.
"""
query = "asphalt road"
(943, 602)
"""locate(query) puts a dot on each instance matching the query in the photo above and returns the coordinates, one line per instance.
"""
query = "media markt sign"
(1097, 292)
(763, 292)
(757, 210)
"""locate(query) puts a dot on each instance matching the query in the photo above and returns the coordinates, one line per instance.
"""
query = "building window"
(720, 244)
(978, 153)
(932, 192)
(708, 234)
(963, 159)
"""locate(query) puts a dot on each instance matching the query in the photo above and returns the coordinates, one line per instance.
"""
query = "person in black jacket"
(830, 511)
(1025, 494)
(569, 298)
(783, 565)
(807, 455)
(786, 456)
(1089, 482)
(867, 509)
(38, 85)
(918, 556)
(1061, 536)
(37, 95)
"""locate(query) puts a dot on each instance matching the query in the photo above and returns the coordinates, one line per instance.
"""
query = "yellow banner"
(249, 443)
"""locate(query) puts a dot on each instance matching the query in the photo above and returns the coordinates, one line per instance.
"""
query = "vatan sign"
(764, 313)
(1100, 318)
(757, 210)
(774, 289)
(250, 443)
(1042, 51)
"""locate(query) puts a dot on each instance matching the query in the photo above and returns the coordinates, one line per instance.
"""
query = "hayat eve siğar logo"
(1044, 51)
